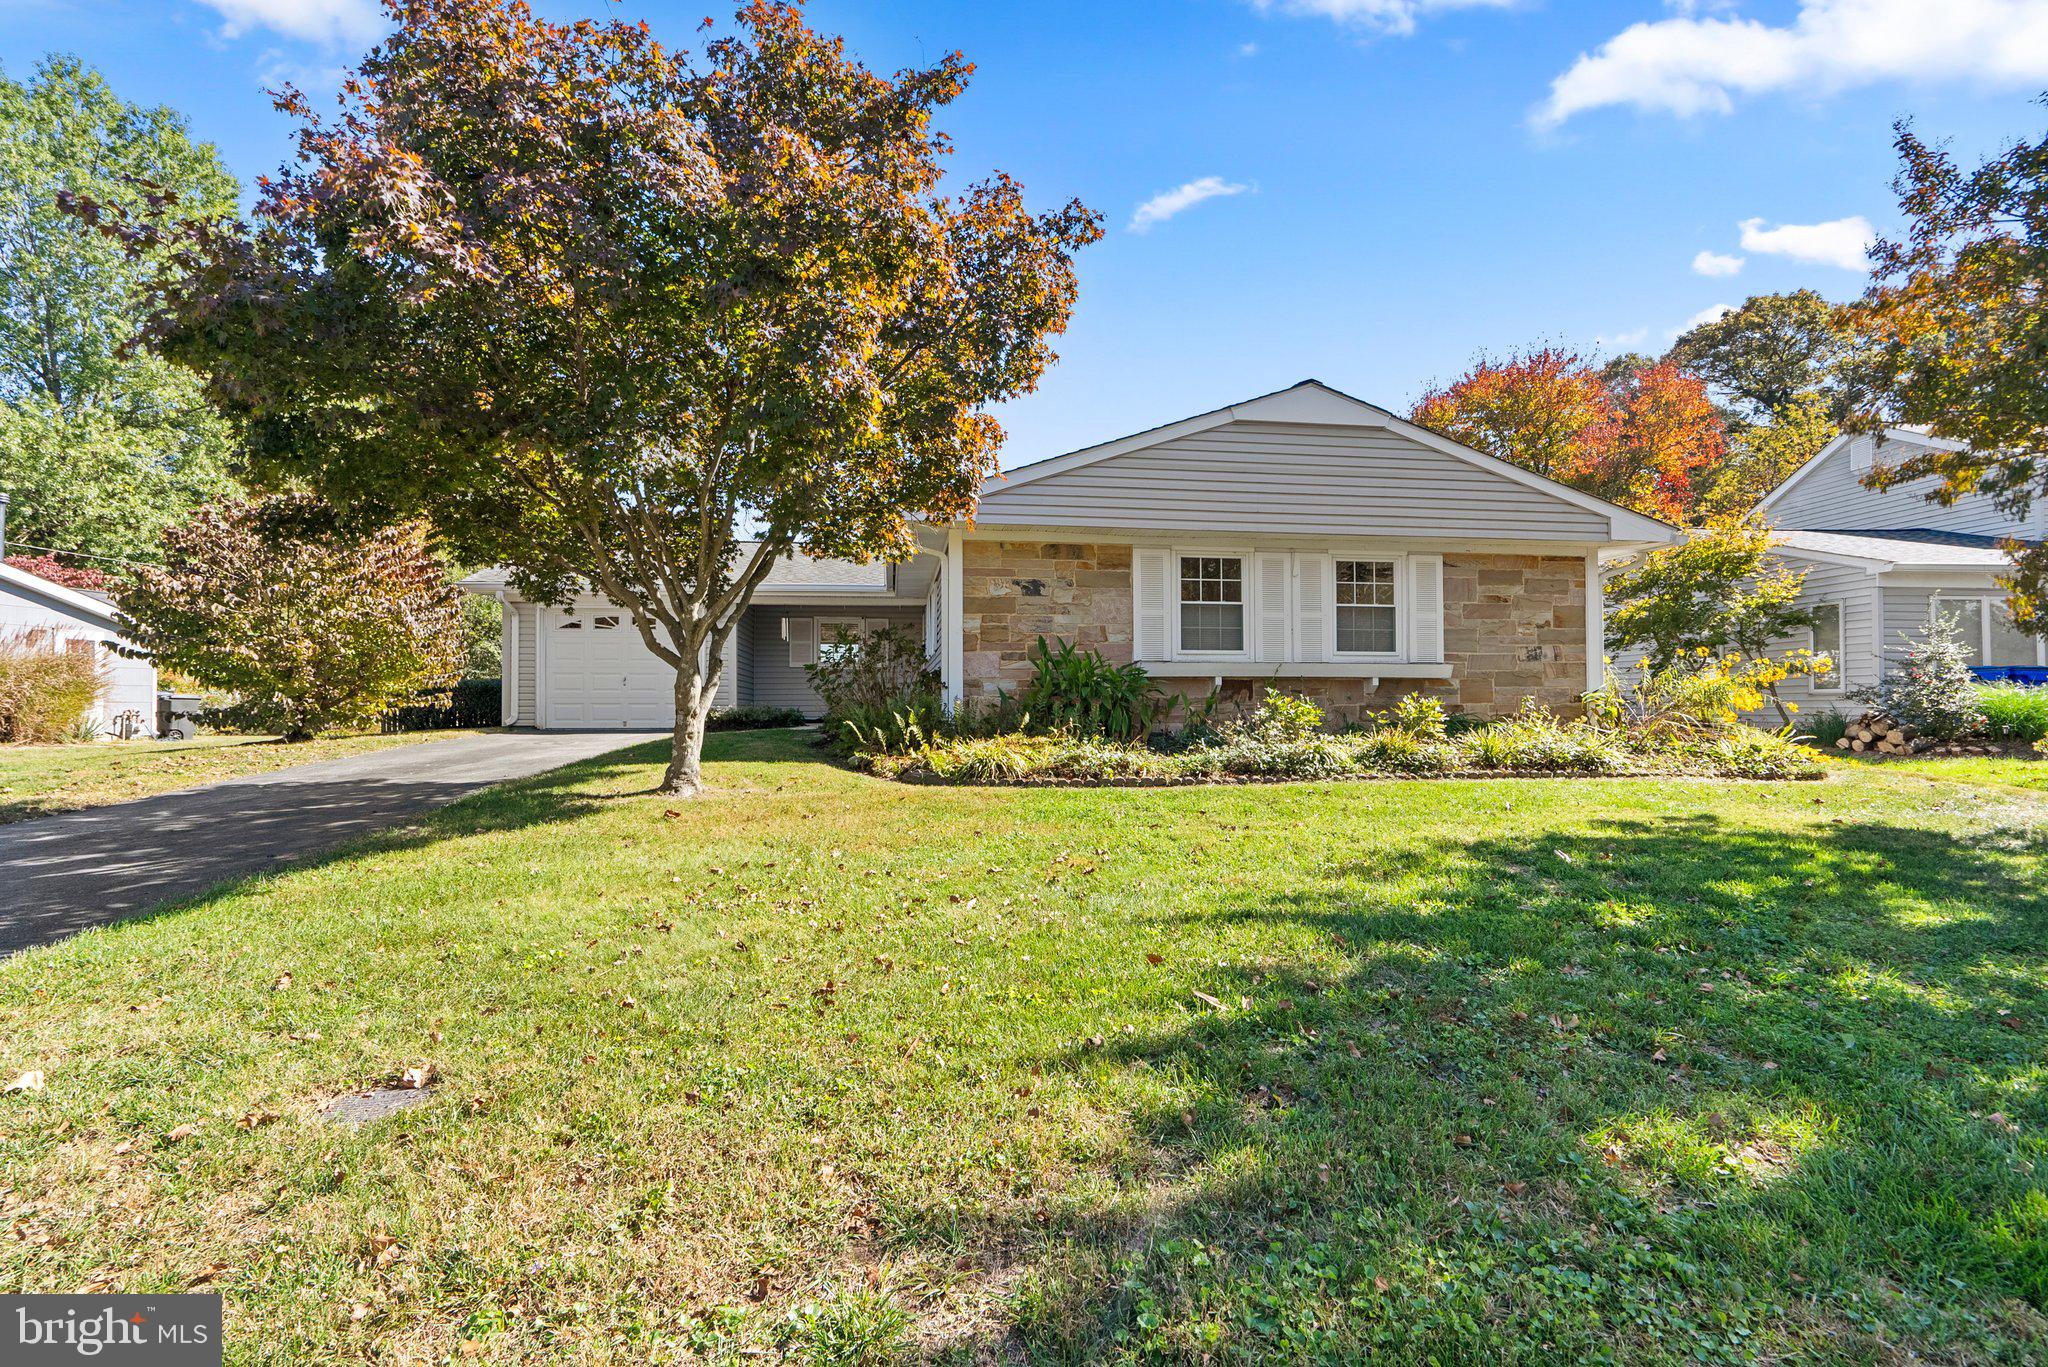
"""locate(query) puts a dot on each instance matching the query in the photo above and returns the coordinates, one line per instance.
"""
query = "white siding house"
(85, 622)
(1882, 565)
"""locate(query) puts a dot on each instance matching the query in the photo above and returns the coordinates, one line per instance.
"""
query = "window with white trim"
(830, 645)
(1368, 620)
(1827, 640)
(1985, 627)
(1212, 604)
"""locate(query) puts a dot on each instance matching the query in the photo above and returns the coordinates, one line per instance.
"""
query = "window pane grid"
(1211, 603)
(1366, 622)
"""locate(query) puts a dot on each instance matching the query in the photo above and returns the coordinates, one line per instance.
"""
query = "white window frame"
(827, 629)
(1247, 602)
(1401, 614)
(1841, 681)
(1988, 603)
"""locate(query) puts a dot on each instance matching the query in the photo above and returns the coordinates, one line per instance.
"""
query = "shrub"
(1079, 692)
(1417, 715)
(2014, 711)
(753, 718)
(46, 686)
(1282, 719)
(1535, 740)
(311, 625)
(1933, 690)
(862, 675)
(469, 703)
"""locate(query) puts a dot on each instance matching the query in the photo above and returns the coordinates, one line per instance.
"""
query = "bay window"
(1212, 604)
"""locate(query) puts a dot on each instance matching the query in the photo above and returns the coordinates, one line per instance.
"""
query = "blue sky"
(1393, 185)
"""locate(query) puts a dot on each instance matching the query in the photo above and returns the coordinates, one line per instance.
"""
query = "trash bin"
(177, 715)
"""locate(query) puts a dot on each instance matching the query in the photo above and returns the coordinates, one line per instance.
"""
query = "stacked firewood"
(1882, 734)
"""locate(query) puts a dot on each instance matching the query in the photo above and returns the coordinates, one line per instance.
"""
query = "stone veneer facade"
(1514, 626)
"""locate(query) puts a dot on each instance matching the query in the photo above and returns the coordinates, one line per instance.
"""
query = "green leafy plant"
(1824, 728)
(1415, 714)
(2014, 711)
(860, 672)
(46, 688)
(1932, 690)
(1080, 692)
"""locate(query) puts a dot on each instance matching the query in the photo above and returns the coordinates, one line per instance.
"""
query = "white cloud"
(1388, 16)
(1247, 49)
(1167, 203)
(321, 21)
(1713, 313)
(1690, 65)
(1838, 242)
(1716, 263)
(1621, 341)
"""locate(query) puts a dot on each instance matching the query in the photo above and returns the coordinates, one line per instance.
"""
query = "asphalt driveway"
(66, 873)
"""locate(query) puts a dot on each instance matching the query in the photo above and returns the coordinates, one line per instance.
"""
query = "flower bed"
(1523, 746)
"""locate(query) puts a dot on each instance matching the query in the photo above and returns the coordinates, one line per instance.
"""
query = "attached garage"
(598, 674)
(584, 667)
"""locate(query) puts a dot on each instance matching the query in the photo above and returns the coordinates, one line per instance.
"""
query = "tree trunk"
(685, 776)
(1784, 714)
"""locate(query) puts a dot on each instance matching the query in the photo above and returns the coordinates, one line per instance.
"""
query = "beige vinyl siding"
(1831, 497)
(773, 680)
(1293, 478)
(523, 670)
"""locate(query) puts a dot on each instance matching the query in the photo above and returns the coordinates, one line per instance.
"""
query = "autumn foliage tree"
(1955, 326)
(593, 307)
(1637, 435)
(312, 627)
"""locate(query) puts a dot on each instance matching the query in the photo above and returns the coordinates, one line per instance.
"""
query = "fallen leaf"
(251, 1119)
(413, 1079)
(30, 1081)
(284, 980)
(1208, 1000)
(181, 1132)
(1154, 959)
(760, 1291)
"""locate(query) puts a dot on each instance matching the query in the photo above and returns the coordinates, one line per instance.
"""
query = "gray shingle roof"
(1907, 546)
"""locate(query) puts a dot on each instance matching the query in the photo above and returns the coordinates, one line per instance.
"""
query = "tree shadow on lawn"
(209, 845)
(1659, 1088)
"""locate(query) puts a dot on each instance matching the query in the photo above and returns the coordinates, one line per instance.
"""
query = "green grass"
(2015, 711)
(1536, 1070)
(36, 780)
(2001, 771)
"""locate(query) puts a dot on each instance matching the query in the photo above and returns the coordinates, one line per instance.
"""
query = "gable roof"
(1313, 402)
(1910, 436)
(97, 610)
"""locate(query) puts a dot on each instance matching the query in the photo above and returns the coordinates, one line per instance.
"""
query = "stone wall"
(1013, 592)
(1514, 627)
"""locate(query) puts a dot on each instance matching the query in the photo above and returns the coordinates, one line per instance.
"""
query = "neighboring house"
(1881, 565)
(85, 622)
(1305, 538)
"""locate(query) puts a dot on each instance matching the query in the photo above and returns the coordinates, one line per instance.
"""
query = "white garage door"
(600, 675)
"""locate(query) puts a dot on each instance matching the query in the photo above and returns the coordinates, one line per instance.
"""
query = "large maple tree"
(597, 308)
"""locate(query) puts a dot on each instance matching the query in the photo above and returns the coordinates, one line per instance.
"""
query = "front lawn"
(2011, 771)
(36, 780)
(1552, 1070)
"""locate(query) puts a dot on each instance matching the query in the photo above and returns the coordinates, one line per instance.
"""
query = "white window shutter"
(1426, 609)
(1314, 583)
(1271, 572)
(1151, 573)
(803, 641)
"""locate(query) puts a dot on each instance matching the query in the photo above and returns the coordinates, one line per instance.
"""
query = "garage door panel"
(600, 673)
